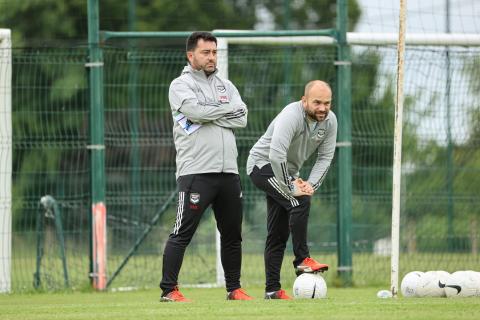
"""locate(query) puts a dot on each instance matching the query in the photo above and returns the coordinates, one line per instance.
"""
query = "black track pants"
(196, 193)
(285, 215)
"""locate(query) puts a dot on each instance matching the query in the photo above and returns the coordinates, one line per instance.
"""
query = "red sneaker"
(309, 265)
(174, 296)
(238, 294)
(280, 294)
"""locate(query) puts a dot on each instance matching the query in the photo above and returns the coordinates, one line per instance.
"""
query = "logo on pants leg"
(194, 198)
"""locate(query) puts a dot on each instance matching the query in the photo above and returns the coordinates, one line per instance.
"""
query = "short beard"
(209, 72)
(313, 115)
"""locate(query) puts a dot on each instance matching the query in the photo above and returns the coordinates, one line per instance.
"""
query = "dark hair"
(192, 40)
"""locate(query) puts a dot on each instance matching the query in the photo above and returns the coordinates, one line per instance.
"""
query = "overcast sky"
(422, 16)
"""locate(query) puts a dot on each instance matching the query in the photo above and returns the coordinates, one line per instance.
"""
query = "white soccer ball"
(475, 276)
(411, 282)
(463, 284)
(433, 284)
(309, 286)
(443, 275)
(427, 285)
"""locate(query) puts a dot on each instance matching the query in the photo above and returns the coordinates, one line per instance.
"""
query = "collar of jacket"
(198, 73)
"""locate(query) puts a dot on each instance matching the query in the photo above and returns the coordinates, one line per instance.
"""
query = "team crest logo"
(221, 88)
(195, 198)
(321, 133)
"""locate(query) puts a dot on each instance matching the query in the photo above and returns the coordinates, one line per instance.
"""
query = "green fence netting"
(50, 112)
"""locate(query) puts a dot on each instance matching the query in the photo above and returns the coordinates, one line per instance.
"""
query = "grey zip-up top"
(215, 105)
(290, 140)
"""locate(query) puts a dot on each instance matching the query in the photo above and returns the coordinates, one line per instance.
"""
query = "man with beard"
(206, 110)
(300, 129)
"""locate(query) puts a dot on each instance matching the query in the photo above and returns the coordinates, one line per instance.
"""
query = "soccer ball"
(411, 282)
(309, 286)
(463, 284)
(433, 284)
(427, 285)
(443, 275)
(475, 277)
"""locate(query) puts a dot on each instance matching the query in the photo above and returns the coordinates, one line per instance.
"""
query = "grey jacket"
(290, 140)
(215, 105)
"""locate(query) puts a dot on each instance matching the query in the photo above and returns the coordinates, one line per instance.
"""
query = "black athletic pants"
(285, 215)
(196, 193)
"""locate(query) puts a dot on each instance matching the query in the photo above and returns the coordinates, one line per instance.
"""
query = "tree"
(309, 14)
(67, 20)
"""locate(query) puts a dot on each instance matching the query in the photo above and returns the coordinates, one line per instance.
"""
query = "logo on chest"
(321, 133)
(221, 88)
(223, 99)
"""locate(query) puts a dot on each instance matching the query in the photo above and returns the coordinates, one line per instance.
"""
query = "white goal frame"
(5, 161)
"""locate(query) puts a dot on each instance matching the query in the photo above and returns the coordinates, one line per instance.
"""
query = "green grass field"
(144, 271)
(211, 304)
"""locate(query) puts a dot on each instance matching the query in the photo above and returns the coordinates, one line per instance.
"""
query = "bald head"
(316, 83)
(317, 100)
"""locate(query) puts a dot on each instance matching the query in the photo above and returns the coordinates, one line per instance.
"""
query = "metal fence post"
(98, 216)
(344, 145)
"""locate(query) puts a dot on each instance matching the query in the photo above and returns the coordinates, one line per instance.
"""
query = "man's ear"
(189, 56)
(304, 101)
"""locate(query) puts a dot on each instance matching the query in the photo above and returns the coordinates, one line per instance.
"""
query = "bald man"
(300, 129)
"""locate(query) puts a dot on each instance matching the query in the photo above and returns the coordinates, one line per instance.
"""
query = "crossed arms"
(231, 114)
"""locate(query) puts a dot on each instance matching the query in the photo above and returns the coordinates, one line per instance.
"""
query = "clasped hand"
(302, 188)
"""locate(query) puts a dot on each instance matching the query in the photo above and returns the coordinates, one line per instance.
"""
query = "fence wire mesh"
(50, 112)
